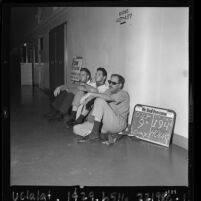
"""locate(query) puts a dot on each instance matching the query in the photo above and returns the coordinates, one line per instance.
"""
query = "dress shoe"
(92, 137)
(69, 123)
(73, 122)
(104, 136)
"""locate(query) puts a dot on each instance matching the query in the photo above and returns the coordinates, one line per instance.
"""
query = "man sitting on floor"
(64, 99)
(110, 111)
(82, 110)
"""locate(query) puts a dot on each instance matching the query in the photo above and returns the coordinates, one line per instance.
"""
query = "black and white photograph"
(99, 96)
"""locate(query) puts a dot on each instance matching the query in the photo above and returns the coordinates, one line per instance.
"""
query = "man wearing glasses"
(110, 111)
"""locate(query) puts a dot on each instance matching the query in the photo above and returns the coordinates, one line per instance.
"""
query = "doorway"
(56, 56)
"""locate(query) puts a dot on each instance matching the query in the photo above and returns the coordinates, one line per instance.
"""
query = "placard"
(76, 66)
(153, 124)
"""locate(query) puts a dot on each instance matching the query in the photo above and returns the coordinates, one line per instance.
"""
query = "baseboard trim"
(180, 141)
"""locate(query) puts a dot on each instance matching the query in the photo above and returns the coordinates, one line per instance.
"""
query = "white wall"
(150, 50)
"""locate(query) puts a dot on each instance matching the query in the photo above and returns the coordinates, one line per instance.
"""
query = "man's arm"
(106, 96)
(87, 88)
(63, 87)
(60, 88)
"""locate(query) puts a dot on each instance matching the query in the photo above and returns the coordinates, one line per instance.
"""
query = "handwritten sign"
(124, 16)
(153, 124)
(76, 66)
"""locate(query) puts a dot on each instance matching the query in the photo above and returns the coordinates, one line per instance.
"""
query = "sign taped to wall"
(76, 66)
(153, 124)
(124, 16)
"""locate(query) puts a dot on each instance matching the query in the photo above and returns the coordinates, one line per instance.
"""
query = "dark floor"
(44, 153)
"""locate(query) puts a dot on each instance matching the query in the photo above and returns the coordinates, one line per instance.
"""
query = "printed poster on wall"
(76, 66)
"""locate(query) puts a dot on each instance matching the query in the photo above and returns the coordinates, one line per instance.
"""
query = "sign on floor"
(153, 124)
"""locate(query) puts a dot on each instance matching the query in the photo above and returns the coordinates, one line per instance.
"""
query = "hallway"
(46, 153)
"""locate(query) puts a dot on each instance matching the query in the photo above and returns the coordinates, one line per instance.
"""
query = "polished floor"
(46, 153)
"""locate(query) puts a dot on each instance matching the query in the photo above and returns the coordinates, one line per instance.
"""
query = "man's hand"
(57, 91)
(63, 88)
(81, 87)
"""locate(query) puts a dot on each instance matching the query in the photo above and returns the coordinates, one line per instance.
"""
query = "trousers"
(63, 102)
(111, 121)
(77, 98)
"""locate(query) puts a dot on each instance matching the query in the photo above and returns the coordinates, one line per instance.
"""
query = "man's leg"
(82, 112)
(59, 100)
(98, 111)
(65, 105)
(55, 113)
(102, 112)
(75, 105)
(100, 106)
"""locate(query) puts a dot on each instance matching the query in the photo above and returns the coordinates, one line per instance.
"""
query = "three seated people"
(110, 111)
(96, 108)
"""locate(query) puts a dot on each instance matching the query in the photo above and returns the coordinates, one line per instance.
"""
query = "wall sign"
(76, 66)
(153, 124)
(124, 16)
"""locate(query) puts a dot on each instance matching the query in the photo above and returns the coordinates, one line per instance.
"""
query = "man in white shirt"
(64, 98)
(85, 104)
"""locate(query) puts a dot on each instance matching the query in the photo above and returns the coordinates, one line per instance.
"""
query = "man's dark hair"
(103, 71)
(86, 70)
(121, 79)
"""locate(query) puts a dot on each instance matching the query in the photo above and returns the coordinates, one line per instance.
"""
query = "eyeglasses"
(113, 83)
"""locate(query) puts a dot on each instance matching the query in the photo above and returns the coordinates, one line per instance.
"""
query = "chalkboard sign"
(153, 124)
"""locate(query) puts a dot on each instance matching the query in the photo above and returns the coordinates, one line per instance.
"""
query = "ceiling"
(20, 18)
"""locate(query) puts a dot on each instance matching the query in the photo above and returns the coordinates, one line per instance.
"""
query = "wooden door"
(56, 56)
